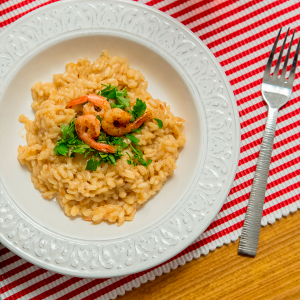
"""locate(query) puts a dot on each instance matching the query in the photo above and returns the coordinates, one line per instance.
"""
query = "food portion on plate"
(99, 142)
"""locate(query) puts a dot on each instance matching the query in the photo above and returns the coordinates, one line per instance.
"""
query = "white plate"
(181, 71)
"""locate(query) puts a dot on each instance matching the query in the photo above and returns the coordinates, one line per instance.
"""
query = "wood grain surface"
(273, 274)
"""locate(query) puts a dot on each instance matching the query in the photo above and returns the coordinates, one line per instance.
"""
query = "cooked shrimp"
(88, 128)
(93, 100)
(116, 122)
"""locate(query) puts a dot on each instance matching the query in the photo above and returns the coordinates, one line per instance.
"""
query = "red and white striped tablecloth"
(240, 34)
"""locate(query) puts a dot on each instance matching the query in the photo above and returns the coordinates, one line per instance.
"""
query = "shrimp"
(88, 128)
(116, 122)
(93, 100)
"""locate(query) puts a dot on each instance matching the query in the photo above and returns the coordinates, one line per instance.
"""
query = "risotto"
(90, 184)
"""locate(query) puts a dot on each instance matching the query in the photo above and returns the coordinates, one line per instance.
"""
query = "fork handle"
(250, 233)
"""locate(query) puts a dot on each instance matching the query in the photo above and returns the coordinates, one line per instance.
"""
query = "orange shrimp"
(88, 128)
(93, 100)
(116, 122)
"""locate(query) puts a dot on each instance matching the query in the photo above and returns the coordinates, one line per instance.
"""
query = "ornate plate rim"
(106, 257)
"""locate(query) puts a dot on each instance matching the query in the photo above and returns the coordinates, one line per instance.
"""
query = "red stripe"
(14, 7)
(16, 270)
(252, 38)
(173, 4)
(248, 98)
(9, 261)
(227, 218)
(3, 1)
(280, 205)
(153, 2)
(196, 6)
(12, 19)
(81, 289)
(57, 288)
(251, 15)
(270, 185)
(287, 140)
(252, 108)
(249, 86)
(3, 251)
(22, 280)
(275, 158)
(280, 119)
(278, 145)
(278, 132)
(255, 155)
(269, 198)
(35, 286)
(282, 192)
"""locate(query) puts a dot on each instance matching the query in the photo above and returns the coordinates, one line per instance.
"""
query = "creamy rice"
(111, 193)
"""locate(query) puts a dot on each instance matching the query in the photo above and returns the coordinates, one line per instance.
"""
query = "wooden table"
(273, 274)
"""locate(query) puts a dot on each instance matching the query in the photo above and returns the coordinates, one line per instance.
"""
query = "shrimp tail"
(95, 145)
(77, 101)
(142, 119)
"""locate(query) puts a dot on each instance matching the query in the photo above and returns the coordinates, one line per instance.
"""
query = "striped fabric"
(240, 34)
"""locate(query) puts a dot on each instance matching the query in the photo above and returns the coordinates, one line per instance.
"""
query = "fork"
(276, 91)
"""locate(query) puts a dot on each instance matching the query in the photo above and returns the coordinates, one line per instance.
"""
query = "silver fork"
(276, 91)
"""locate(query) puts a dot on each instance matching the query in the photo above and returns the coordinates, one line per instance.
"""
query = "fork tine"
(294, 65)
(270, 60)
(280, 54)
(283, 74)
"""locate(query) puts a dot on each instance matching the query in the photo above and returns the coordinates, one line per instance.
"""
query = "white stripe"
(285, 211)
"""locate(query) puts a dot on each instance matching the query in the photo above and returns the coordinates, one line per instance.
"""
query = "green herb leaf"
(112, 92)
(99, 118)
(102, 138)
(112, 159)
(109, 92)
(138, 109)
(138, 130)
(131, 137)
(159, 123)
(64, 129)
(117, 140)
(113, 105)
(120, 96)
(138, 155)
(92, 164)
(80, 148)
(61, 148)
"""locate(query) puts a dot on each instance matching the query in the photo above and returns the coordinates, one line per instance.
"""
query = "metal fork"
(276, 91)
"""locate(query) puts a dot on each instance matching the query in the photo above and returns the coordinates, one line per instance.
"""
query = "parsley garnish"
(138, 109)
(130, 160)
(138, 156)
(131, 137)
(112, 92)
(92, 164)
(159, 123)
(70, 144)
